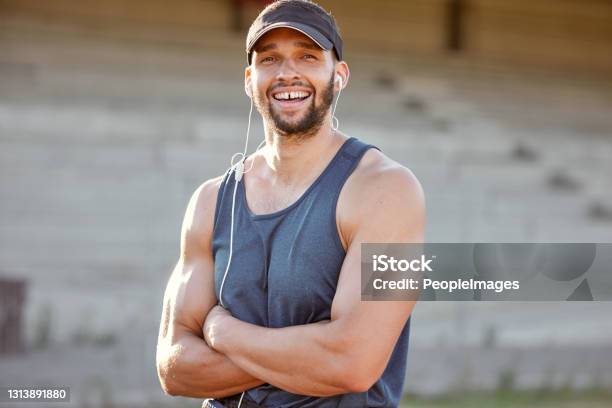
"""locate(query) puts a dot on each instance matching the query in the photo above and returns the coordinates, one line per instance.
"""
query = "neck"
(294, 160)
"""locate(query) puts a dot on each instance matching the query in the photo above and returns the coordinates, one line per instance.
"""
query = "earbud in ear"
(339, 80)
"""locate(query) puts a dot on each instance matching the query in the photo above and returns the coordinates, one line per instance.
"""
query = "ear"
(342, 71)
(248, 86)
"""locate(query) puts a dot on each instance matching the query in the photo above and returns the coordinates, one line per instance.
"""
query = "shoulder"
(378, 173)
(203, 200)
(199, 215)
(381, 192)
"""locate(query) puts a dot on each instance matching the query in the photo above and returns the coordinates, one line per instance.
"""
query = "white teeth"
(291, 95)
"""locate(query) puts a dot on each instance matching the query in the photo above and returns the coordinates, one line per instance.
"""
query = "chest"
(264, 197)
(284, 268)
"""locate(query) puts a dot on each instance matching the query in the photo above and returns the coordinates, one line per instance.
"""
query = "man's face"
(292, 82)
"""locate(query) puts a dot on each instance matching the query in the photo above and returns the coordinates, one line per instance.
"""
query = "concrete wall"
(212, 14)
(390, 26)
(556, 33)
(564, 34)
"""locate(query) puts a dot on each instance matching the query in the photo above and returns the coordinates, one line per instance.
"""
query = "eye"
(309, 57)
(267, 60)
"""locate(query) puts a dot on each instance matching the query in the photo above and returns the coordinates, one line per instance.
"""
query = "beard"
(305, 127)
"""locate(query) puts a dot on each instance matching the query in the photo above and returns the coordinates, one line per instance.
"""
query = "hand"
(213, 326)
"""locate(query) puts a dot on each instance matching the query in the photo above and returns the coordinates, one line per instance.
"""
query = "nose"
(287, 71)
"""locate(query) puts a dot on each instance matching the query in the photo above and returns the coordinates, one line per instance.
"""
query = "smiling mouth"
(291, 96)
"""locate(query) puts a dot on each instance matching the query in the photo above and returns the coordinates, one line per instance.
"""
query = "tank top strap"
(220, 195)
(350, 155)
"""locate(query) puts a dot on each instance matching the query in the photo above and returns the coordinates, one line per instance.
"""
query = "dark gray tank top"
(284, 272)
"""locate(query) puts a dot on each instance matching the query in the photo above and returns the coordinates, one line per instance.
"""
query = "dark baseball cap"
(304, 16)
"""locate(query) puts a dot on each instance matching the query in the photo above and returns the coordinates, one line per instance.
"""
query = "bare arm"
(348, 353)
(186, 365)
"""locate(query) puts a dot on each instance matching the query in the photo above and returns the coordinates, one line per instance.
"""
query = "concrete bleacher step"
(108, 106)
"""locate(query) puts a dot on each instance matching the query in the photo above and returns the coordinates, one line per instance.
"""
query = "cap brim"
(308, 31)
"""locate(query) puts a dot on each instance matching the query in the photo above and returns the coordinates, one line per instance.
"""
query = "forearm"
(299, 359)
(190, 368)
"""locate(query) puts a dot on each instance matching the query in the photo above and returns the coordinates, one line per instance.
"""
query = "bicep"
(369, 329)
(397, 217)
(190, 294)
(188, 297)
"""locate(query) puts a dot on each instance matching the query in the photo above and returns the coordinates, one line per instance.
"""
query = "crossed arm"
(186, 365)
(346, 354)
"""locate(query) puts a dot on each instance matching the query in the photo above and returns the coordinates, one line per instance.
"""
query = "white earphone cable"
(238, 169)
(335, 121)
(242, 155)
(229, 258)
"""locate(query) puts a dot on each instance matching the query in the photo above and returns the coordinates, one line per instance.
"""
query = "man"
(293, 332)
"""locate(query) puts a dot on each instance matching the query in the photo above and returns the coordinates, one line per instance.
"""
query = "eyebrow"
(300, 44)
(307, 45)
